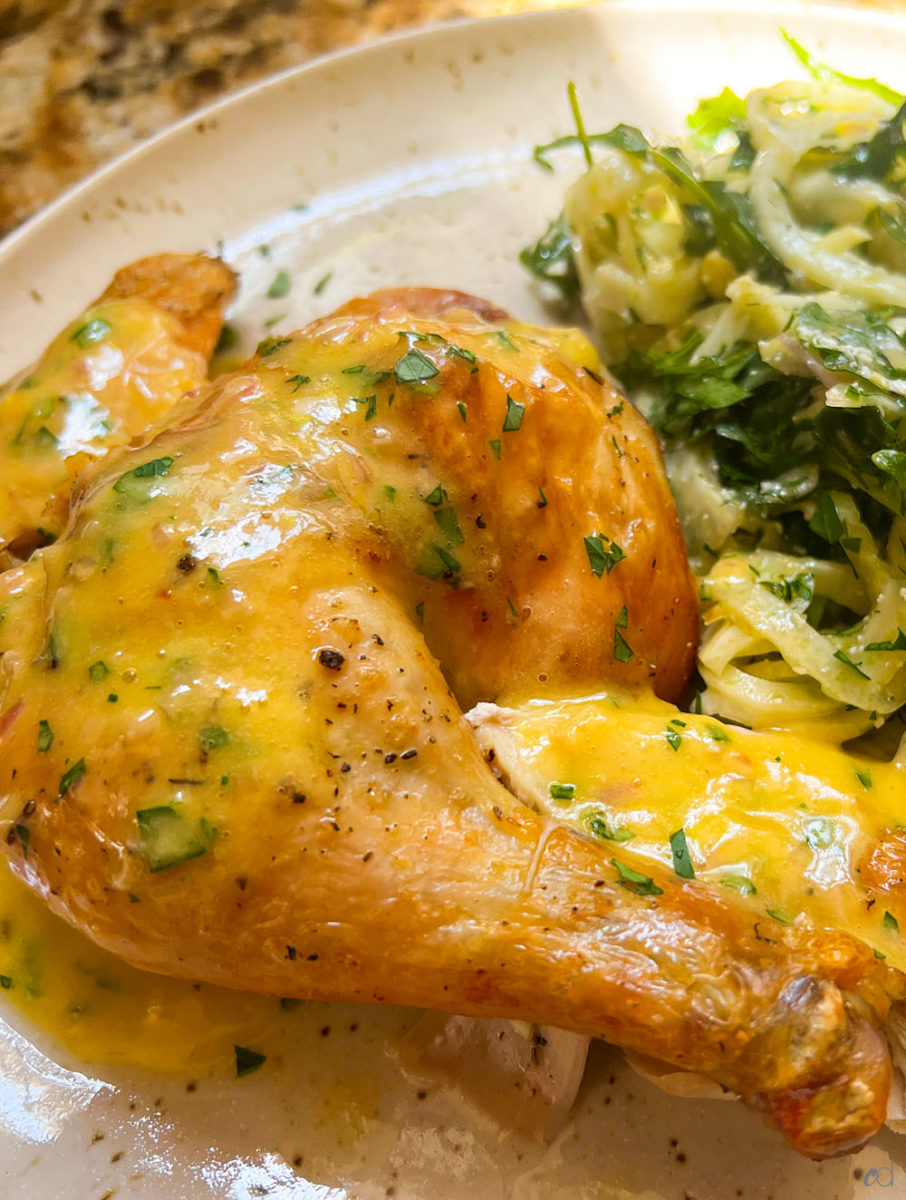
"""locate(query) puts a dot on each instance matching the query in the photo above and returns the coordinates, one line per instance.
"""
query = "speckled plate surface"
(406, 162)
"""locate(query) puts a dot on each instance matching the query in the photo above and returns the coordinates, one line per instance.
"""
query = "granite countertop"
(83, 80)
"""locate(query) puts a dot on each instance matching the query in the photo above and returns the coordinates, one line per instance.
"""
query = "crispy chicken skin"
(115, 371)
(231, 741)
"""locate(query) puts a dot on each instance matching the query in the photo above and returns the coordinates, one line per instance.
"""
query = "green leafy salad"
(747, 285)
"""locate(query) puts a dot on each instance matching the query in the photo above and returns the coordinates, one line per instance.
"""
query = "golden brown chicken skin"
(114, 371)
(231, 743)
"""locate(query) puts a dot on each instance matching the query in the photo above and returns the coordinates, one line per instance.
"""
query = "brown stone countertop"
(83, 80)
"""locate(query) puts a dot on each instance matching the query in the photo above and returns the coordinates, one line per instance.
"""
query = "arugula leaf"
(714, 119)
(821, 71)
(881, 157)
(551, 259)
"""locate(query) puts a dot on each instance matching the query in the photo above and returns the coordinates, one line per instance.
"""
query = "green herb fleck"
(247, 1060)
(369, 403)
(864, 777)
(280, 286)
(562, 791)
(739, 883)
(414, 367)
(322, 283)
(642, 885)
(297, 381)
(622, 651)
(270, 346)
(213, 737)
(779, 915)
(899, 644)
(149, 470)
(448, 523)
(463, 409)
(69, 779)
(890, 922)
(91, 332)
(45, 736)
(98, 672)
(495, 447)
(602, 558)
(514, 413)
(682, 859)
(601, 828)
(435, 496)
(168, 839)
(674, 738)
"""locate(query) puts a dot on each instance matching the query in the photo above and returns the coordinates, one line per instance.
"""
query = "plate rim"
(15, 238)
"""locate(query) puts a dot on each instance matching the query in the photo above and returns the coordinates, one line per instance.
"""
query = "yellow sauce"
(804, 833)
(103, 1010)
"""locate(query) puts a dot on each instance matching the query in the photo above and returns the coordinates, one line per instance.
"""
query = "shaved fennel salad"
(748, 288)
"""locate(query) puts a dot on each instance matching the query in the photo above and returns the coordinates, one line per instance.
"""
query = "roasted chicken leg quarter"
(231, 738)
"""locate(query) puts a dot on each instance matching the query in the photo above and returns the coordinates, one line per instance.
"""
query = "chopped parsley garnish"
(495, 447)
(682, 859)
(247, 1060)
(716, 732)
(98, 672)
(6, 982)
(414, 367)
(602, 557)
(154, 469)
(322, 283)
(504, 338)
(447, 520)
(622, 651)
(270, 346)
(890, 922)
(213, 576)
(298, 380)
(562, 791)
(168, 838)
(739, 883)
(541, 502)
(213, 737)
(779, 916)
(435, 496)
(92, 331)
(369, 403)
(864, 777)
(45, 736)
(463, 410)
(69, 779)
(600, 827)
(674, 738)
(642, 885)
(514, 413)
(279, 287)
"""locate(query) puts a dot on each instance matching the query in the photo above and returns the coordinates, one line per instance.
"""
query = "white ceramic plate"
(412, 161)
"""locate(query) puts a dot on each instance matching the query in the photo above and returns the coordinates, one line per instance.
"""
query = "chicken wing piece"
(118, 368)
(228, 750)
